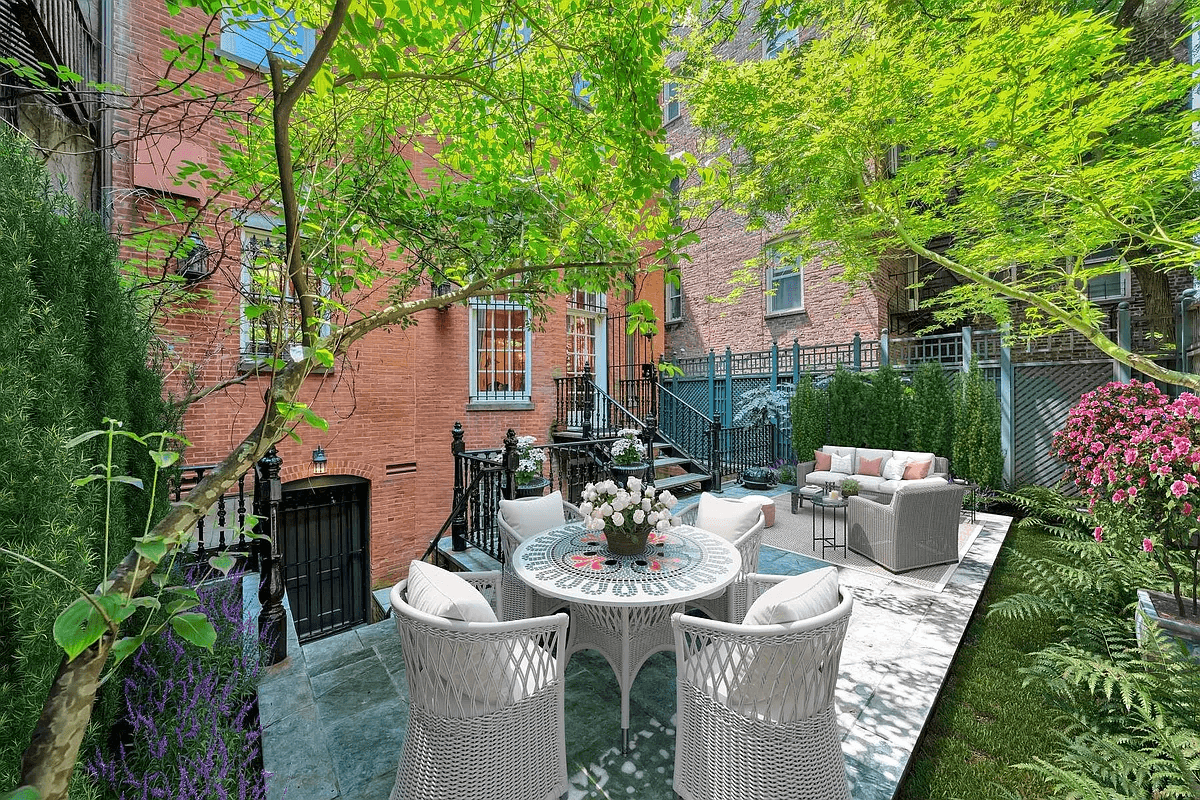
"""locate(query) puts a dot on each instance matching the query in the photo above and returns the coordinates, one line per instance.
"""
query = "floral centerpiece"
(1135, 456)
(530, 460)
(626, 514)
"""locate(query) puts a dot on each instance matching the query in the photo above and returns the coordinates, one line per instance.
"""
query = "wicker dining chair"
(919, 528)
(518, 600)
(756, 717)
(486, 716)
(730, 605)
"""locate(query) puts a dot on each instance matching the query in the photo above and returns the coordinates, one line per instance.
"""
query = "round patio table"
(622, 605)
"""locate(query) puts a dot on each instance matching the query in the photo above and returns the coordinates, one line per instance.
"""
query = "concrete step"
(671, 461)
(679, 480)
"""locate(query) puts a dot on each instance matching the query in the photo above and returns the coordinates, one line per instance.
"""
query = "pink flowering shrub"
(1135, 455)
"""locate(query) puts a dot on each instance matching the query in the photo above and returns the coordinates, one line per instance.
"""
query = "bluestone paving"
(335, 713)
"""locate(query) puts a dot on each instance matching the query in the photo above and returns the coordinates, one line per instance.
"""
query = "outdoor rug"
(794, 532)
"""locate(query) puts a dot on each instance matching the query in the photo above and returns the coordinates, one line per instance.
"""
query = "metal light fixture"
(320, 462)
(442, 289)
(194, 264)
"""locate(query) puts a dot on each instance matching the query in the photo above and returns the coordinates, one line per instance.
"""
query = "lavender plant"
(191, 731)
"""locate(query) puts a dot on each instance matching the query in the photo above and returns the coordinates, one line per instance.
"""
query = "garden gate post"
(458, 527)
(968, 347)
(1186, 301)
(714, 452)
(272, 620)
(511, 460)
(1008, 438)
(795, 362)
(649, 434)
(884, 357)
(1121, 372)
(727, 406)
(712, 381)
(774, 366)
(857, 352)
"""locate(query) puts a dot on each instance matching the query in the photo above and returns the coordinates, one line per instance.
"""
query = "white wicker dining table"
(621, 605)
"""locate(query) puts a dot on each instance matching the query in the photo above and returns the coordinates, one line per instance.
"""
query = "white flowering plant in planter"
(530, 460)
(628, 449)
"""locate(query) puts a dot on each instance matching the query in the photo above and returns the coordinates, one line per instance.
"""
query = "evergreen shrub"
(931, 415)
(978, 455)
(887, 422)
(75, 353)
(849, 406)
(810, 419)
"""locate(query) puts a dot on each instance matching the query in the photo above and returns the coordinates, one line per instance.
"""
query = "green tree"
(978, 455)
(849, 404)
(810, 419)
(496, 148)
(932, 410)
(887, 424)
(1025, 132)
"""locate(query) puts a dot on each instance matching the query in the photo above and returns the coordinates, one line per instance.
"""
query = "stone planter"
(1161, 609)
(534, 488)
(627, 544)
(621, 473)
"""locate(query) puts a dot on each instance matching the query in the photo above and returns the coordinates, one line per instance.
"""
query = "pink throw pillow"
(824, 460)
(917, 469)
(870, 466)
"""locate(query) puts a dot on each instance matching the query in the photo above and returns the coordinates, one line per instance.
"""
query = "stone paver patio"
(335, 713)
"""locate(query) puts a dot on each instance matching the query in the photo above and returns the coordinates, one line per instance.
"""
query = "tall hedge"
(932, 410)
(977, 448)
(849, 408)
(74, 352)
(810, 419)
(887, 424)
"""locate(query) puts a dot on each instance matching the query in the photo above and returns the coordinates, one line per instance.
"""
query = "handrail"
(459, 507)
(686, 428)
(685, 403)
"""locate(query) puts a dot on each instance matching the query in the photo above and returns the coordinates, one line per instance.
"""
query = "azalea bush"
(1135, 456)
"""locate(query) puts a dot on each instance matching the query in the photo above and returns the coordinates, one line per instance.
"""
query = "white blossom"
(639, 516)
(618, 518)
(606, 510)
(647, 503)
(634, 484)
(663, 525)
(585, 508)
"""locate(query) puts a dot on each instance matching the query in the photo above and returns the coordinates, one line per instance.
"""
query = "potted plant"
(531, 460)
(850, 488)
(628, 456)
(627, 514)
(1135, 455)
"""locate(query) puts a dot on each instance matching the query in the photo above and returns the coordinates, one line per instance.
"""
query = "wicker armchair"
(781, 742)
(730, 605)
(518, 600)
(919, 528)
(486, 716)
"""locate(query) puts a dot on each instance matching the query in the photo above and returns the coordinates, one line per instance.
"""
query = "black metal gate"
(323, 533)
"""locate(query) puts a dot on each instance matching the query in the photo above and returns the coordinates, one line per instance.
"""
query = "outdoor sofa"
(879, 472)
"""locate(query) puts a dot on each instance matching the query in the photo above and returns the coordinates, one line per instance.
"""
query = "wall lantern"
(443, 289)
(193, 266)
(320, 462)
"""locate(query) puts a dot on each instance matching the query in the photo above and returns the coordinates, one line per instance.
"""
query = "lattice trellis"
(1044, 396)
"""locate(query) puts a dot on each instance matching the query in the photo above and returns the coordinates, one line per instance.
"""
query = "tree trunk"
(1157, 334)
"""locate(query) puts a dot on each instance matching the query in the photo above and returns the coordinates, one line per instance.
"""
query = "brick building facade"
(392, 404)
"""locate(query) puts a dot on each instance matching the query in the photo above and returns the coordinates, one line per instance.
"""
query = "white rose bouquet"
(626, 515)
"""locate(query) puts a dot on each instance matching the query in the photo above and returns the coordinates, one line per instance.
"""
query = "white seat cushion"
(529, 516)
(443, 594)
(822, 477)
(869, 483)
(838, 451)
(726, 518)
(802, 596)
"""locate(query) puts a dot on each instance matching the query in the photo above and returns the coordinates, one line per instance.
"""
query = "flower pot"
(535, 488)
(624, 543)
(621, 473)
(1161, 609)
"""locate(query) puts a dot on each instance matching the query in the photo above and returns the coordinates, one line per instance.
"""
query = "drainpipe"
(104, 168)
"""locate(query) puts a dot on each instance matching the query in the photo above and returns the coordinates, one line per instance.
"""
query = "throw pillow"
(823, 460)
(917, 470)
(532, 515)
(893, 470)
(802, 596)
(726, 518)
(841, 464)
(870, 466)
(443, 594)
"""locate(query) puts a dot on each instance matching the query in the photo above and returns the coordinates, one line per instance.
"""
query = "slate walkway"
(335, 713)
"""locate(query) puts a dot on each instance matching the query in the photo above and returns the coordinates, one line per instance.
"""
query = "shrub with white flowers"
(531, 459)
(628, 449)
(630, 510)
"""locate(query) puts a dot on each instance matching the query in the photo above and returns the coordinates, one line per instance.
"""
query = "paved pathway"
(335, 713)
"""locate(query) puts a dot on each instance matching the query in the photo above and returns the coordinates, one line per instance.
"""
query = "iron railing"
(223, 529)
(685, 425)
(582, 405)
(737, 449)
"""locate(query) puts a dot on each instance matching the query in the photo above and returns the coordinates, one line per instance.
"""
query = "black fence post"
(714, 452)
(511, 461)
(649, 434)
(458, 527)
(272, 620)
(857, 352)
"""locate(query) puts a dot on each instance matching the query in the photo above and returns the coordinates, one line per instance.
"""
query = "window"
(1111, 285)
(585, 331)
(670, 102)
(249, 39)
(500, 350)
(270, 311)
(785, 277)
(912, 279)
(674, 301)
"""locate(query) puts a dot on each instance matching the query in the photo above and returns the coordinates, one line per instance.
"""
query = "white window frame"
(477, 307)
(1103, 257)
(242, 48)
(247, 347)
(671, 101)
(912, 280)
(673, 301)
(776, 272)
